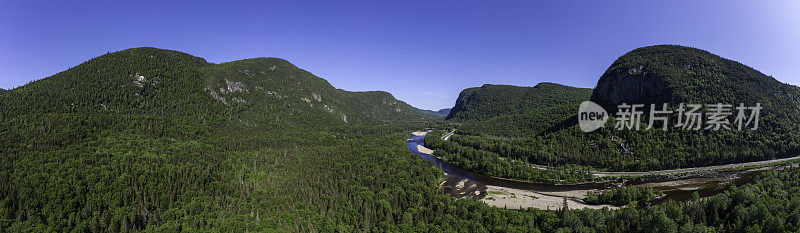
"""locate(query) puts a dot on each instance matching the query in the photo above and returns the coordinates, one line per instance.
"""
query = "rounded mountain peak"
(674, 74)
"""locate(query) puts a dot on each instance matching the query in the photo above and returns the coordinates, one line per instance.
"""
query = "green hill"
(488, 101)
(515, 111)
(157, 82)
(674, 74)
(135, 81)
(272, 89)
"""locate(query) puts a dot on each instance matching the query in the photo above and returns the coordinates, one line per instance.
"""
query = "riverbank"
(419, 133)
(510, 198)
(425, 150)
(516, 198)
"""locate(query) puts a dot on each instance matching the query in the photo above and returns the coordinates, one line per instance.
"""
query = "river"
(680, 189)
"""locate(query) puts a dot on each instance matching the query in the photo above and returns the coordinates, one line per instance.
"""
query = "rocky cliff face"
(632, 84)
(466, 96)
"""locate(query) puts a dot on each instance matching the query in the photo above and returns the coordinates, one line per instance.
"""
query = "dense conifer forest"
(87, 174)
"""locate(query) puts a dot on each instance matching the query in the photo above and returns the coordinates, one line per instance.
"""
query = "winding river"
(674, 189)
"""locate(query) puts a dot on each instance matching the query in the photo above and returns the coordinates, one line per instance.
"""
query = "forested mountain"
(148, 139)
(159, 82)
(274, 89)
(674, 74)
(487, 101)
(655, 74)
(441, 113)
(515, 111)
(145, 81)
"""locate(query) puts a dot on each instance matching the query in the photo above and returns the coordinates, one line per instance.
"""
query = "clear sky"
(423, 52)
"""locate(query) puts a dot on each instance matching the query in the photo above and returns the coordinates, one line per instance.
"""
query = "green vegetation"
(655, 74)
(136, 141)
(156, 82)
(65, 172)
(674, 74)
(515, 111)
(492, 164)
(274, 90)
(173, 86)
(609, 149)
(622, 196)
(489, 101)
(158, 140)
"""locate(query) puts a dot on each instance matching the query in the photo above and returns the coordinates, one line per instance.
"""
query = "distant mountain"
(513, 110)
(272, 88)
(160, 82)
(440, 113)
(483, 103)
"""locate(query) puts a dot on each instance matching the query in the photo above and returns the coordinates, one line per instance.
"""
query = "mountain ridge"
(488, 94)
(162, 82)
(515, 111)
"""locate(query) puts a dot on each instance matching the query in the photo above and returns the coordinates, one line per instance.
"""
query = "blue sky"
(423, 52)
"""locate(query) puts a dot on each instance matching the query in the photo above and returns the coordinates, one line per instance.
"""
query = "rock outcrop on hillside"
(631, 85)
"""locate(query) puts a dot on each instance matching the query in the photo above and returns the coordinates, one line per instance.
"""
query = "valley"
(153, 140)
(400, 116)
